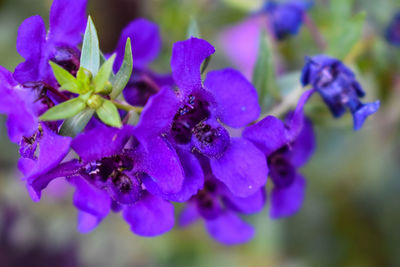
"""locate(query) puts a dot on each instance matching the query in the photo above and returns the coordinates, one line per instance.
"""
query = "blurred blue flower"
(338, 87)
(392, 34)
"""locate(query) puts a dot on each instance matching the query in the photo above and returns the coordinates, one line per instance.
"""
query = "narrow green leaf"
(341, 44)
(104, 74)
(75, 125)
(90, 57)
(193, 29)
(264, 71)
(65, 79)
(205, 64)
(64, 110)
(108, 113)
(121, 79)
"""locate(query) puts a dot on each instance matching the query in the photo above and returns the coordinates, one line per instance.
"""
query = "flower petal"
(243, 168)
(362, 113)
(158, 113)
(193, 181)
(67, 22)
(101, 142)
(87, 222)
(287, 201)
(247, 205)
(268, 134)
(30, 45)
(146, 43)
(235, 96)
(229, 229)
(303, 147)
(150, 216)
(188, 215)
(240, 43)
(187, 57)
(90, 199)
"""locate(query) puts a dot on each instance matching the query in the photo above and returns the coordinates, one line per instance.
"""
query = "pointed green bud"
(84, 77)
(107, 88)
(108, 113)
(95, 101)
(65, 79)
(103, 75)
(64, 110)
(121, 79)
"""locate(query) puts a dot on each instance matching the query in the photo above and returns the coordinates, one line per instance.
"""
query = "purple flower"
(67, 24)
(219, 208)
(392, 34)
(338, 87)
(113, 173)
(286, 18)
(146, 45)
(190, 118)
(287, 147)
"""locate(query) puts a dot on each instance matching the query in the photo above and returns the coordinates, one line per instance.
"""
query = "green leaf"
(104, 74)
(193, 29)
(84, 78)
(121, 79)
(264, 72)
(341, 43)
(65, 79)
(108, 113)
(90, 57)
(64, 110)
(341, 10)
(205, 64)
(75, 125)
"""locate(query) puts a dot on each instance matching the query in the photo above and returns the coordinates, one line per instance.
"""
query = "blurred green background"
(351, 215)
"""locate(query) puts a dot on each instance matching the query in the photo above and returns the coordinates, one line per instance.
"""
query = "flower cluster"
(202, 142)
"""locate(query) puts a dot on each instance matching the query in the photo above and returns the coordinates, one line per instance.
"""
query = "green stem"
(127, 107)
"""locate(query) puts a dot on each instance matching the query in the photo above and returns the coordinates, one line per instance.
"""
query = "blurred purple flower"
(189, 118)
(392, 34)
(338, 87)
(146, 45)
(67, 25)
(287, 147)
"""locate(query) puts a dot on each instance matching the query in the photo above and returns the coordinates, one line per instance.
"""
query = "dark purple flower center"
(28, 146)
(140, 88)
(210, 138)
(282, 171)
(68, 58)
(207, 201)
(188, 116)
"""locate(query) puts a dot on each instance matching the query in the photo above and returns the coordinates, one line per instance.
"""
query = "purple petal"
(158, 113)
(193, 182)
(287, 201)
(188, 215)
(187, 57)
(48, 156)
(90, 199)
(160, 161)
(243, 168)
(101, 142)
(303, 147)
(67, 22)
(240, 43)
(247, 205)
(236, 97)
(296, 119)
(268, 135)
(87, 222)
(362, 113)
(65, 169)
(31, 45)
(146, 43)
(229, 229)
(150, 216)
(22, 121)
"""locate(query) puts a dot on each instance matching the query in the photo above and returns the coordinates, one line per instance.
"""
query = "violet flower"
(287, 147)
(146, 45)
(67, 25)
(338, 87)
(190, 118)
(392, 34)
(219, 209)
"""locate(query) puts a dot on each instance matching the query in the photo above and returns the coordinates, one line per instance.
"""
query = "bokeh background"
(351, 215)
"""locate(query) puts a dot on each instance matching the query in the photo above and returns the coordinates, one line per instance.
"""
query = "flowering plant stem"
(127, 107)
